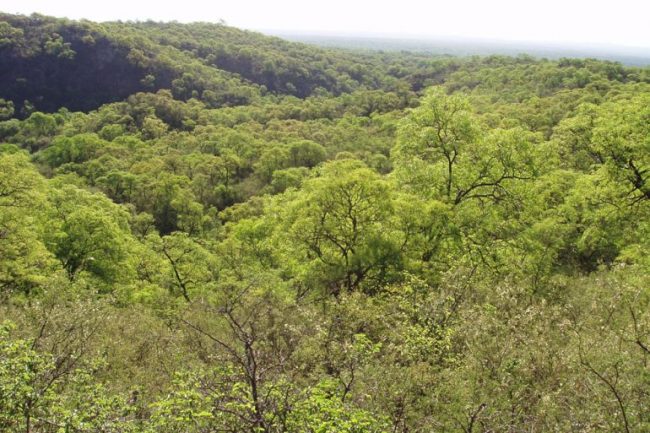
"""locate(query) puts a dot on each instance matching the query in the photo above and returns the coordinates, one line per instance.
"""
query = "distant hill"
(48, 63)
(632, 56)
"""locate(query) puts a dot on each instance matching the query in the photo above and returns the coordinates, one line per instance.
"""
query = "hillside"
(81, 65)
(204, 229)
(54, 63)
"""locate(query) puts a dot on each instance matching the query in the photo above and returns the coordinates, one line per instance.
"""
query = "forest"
(205, 229)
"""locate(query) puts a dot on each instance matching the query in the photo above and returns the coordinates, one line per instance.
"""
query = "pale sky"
(611, 22)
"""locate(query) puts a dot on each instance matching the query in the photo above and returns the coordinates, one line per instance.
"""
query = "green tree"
(89, 233)
(621, 139)
(191, 265)
(306, 153)
(24, 261)
(342, 219)
(433, 137)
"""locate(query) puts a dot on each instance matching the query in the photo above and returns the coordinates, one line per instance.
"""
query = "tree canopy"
(207, 229)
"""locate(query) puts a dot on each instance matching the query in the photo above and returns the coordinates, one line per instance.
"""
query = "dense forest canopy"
(204, 229)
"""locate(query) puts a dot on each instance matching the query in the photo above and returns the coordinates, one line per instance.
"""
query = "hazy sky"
(619, 22)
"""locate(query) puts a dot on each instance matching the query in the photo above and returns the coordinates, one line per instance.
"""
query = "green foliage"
(40, 392)
(6, 109)
(88, 233)
(243, 234)
(342, 222)
(24, 261)
(440, 143)
(323, 412)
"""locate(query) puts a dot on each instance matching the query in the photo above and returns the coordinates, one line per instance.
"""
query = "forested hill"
(56, 63)
(205, 230)
(50, 63)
